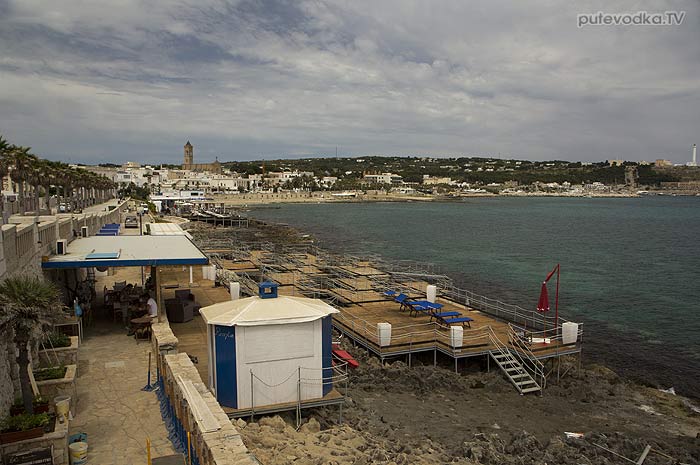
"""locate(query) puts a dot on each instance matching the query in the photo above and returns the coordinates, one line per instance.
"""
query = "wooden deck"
(357, 291)
(363, 270)
(334, 397)
(418, 333)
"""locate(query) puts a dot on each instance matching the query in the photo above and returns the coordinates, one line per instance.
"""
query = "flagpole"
(544, 326)
(556, 306)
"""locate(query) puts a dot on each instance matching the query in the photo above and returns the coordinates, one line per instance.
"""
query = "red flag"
(543, 303)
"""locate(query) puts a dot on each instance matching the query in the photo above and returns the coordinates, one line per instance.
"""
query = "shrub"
(38, 400)
(24, 422)
(50, 373)
(56, 340)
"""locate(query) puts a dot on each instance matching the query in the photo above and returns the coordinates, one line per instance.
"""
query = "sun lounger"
(443, 315)
(389, 293)
(455, 321)
(403, 300)
(416, 308)
(427, 303)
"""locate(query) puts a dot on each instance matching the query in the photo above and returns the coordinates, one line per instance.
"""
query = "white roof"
(255, 311)
(167, 229)
(128, 251)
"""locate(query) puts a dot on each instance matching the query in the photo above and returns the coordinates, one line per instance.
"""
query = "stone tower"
(631, 176)
(189, 156)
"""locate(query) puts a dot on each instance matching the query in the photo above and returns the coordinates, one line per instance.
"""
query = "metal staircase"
(521, 369)
(515, 372)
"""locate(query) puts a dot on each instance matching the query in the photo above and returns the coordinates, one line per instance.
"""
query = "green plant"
(28, 306)
(38, 400)
(50, 373)
(56, 340)
(24, 422)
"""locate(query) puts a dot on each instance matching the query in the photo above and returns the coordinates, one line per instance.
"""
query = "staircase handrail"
(527, 357)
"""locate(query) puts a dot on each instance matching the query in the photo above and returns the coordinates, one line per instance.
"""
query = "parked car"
(131, 222)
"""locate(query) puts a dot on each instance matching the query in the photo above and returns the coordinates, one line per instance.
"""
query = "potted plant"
(28, 305)
(40, 405)
(56, 340)
(43, 374)
(22, 427)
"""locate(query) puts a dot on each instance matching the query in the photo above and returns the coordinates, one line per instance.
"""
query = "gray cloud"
(249, 79)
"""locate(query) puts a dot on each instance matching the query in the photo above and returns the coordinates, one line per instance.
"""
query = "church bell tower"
(189, 156)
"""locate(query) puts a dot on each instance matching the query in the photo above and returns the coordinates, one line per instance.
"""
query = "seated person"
(147, 313)
(151, 304)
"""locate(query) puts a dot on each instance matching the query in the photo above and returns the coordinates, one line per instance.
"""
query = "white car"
(131, 222)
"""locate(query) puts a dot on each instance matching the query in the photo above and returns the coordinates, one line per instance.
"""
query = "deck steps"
(514, 371)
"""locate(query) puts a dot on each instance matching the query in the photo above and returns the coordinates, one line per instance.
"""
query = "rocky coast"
(431, 415)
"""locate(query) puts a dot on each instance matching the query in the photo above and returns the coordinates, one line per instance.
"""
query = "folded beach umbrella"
(543, 302)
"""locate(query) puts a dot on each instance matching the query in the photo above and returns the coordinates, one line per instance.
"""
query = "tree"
(22, 163)
(28, 304)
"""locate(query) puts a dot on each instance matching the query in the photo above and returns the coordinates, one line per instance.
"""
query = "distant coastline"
(381, 196)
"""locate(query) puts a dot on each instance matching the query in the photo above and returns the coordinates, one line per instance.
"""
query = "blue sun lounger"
(403, 300)
(415, 307)
(443, 315)
(389, 293)
(427, 303)
(455, 321)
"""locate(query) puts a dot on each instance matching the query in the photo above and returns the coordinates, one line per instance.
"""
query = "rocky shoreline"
(431, 415)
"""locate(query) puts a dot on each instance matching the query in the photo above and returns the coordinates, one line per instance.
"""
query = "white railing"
(304, 377)
(24, 240)
(505, 311)
(526, 358)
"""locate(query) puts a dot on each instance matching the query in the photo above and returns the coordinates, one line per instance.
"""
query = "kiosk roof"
(106, 251)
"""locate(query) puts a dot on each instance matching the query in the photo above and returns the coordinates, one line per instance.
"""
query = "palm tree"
(35, 178)
(21, 166)
(5, 148)
(28, 305)
(51, 171)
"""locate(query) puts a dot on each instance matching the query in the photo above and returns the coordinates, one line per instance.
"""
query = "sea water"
(630, 267)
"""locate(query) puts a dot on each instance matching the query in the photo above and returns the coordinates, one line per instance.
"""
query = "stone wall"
(221, 447)
(9, 372)
(22, 245)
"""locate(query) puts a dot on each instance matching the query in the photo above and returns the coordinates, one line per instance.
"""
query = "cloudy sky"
(96, 80)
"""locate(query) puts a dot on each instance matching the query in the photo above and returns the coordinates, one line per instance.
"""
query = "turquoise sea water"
(630, 267)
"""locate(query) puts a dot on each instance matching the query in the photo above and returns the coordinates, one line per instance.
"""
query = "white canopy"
(255, 311)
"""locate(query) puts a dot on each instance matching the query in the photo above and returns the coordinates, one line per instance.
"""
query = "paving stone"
(112, 409)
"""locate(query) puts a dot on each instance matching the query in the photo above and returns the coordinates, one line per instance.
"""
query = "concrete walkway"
(112, 409)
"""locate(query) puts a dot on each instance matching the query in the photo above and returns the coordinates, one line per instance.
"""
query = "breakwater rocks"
(431, 415)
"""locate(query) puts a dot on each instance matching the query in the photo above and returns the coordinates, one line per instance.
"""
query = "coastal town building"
(434, 180)
(188, 163)
(382, 178)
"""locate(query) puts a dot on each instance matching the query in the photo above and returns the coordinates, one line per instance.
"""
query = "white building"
(269, 349)
(383, 178)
